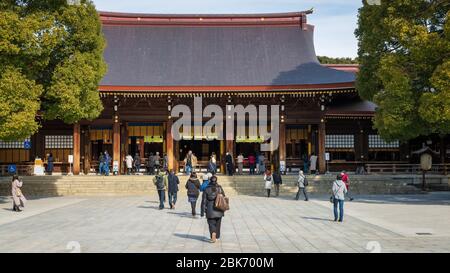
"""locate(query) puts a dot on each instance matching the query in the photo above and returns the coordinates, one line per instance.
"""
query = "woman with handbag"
(268, 182)
(214, 211)
(18, 199)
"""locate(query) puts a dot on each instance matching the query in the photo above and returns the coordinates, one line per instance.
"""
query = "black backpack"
(305, 182)
(160, 182)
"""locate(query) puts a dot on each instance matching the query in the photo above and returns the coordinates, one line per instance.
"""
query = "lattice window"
(339, 141)
(376, 142)
(58, 142)
(13, 144)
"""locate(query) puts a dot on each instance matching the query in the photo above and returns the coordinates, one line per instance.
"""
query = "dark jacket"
(193, 187)
(208, 202)
(173, 183)
(229, 159)
(137, 160)
(277, 178)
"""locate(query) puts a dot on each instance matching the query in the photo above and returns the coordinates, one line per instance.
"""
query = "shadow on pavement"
(318, 219)
(149, 207)
(182, 214)
(193, 237)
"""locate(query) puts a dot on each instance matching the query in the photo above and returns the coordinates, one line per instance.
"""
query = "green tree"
(404, 55)
(51, 53)
(331, 60)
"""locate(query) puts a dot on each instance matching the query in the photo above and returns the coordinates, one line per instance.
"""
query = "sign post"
(70, 159)
(115, 167)
(327, 159)
(283, 167)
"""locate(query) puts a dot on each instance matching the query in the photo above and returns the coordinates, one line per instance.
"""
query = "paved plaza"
(407, 223)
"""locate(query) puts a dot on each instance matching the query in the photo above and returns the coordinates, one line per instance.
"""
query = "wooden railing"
(405, 168)
(23, 169)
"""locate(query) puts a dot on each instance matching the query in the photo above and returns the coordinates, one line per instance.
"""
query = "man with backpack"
(160, 181)
(302, 184)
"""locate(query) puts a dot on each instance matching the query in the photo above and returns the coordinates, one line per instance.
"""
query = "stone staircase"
(132, 185)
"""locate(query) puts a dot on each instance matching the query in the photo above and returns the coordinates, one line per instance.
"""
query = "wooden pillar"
(321, 155)
(87, 151)
(222, 156)
(176, 158)
(123, 147)
(282, 147)
(116, 143)
(169, 145)
(76, 148)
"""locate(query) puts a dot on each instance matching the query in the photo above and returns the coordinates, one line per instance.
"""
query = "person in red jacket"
(346, 181)
(252, 163)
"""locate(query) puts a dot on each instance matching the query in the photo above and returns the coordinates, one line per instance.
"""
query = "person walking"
(107, 162)
(157, 161)
(262, 163)
(151, 164)
(213, 214)
(268, 182)
(19, 199)
(240, 163)
(50, 161)
(346, 181)
(172, 190)
(338, 197)
(305, 163)
(212, 164)
(252, 163)
(188, 163)
(277, 180)
(194, 162)
(205, 182)
(129, 163)
(193, 191)
(160, 181)
(313, 164)
(302, 184)
(165, 162)
(137, 164)
(229, 164)
(101, 163)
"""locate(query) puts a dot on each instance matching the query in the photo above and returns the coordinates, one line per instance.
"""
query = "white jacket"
(129, 161)
(268, 183)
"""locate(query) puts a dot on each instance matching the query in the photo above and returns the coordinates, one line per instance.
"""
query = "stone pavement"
(255, 224)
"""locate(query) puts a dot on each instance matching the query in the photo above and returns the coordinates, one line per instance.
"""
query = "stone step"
(143, 185)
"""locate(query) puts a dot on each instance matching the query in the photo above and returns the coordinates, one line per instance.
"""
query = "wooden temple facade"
(158, 61)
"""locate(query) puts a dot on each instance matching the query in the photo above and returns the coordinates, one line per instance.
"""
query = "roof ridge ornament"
(304, 19)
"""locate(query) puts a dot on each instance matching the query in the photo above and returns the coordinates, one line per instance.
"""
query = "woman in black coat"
(193, 191)
(213, 215)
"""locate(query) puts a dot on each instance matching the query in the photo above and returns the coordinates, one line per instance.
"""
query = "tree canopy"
(51, 53)
(331, 60)
(404, 55)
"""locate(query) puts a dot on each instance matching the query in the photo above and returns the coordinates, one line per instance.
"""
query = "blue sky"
(334, 20)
